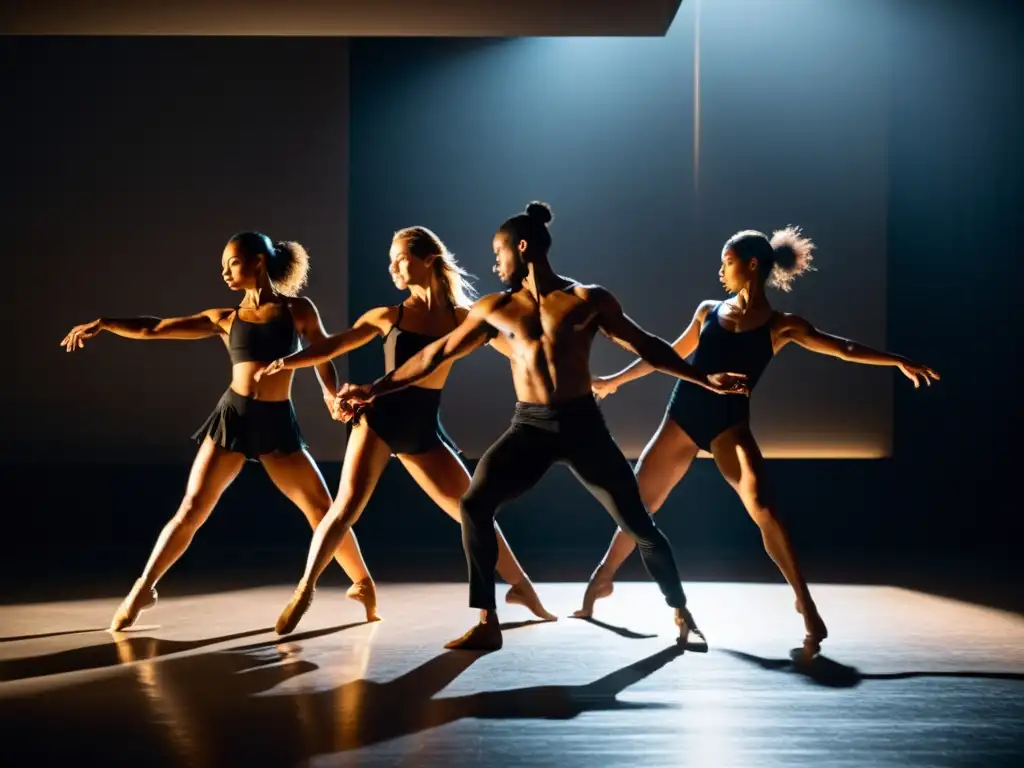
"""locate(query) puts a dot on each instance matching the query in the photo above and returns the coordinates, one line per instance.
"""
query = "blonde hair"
(423, 243)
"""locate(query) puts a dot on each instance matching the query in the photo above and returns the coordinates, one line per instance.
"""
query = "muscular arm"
(472, 332)
(683, 346)
(323, 348)
(655, 351)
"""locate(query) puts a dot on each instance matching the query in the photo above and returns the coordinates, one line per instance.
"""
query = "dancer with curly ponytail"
(740, 334)
(254, 420)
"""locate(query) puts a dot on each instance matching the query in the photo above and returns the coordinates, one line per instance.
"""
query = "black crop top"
(262, 342)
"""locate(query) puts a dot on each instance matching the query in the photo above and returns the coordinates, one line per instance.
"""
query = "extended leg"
(365, 458)
(599, 464)
(741, 464)
(508, 469)
(445, 480)
(662, 465)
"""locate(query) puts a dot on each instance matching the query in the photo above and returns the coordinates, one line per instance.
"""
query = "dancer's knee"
(344, 510)
(644, 532)
(476, 510)
(763, 516)
(192, 511)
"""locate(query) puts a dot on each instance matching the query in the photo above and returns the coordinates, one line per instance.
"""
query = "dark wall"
(956, 208)
(127, 164)
(949, 150)
(954, 160)
(650, 166)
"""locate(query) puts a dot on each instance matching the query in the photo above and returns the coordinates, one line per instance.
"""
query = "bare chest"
(555, 320)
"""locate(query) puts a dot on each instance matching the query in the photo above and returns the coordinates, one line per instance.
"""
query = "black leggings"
(573, 433)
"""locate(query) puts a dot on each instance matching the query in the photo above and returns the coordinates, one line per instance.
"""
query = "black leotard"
(703, 414)
(408, 420)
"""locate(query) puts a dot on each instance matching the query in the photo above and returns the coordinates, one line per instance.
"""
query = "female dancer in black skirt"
(407, 424)
(253, 421)
(741, 334)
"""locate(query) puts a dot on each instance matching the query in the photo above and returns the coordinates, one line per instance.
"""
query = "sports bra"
(262, 342)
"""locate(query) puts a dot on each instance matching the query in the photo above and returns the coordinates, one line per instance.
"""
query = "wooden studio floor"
(906, 679)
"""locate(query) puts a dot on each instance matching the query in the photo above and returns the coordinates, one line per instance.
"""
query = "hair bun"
(540, 212)
(793, 256)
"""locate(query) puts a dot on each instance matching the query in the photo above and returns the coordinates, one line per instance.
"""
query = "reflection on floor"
(906, 678)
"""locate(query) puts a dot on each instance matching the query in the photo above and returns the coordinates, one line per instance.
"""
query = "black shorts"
(409, 420)
(252, 427)
(703, 414)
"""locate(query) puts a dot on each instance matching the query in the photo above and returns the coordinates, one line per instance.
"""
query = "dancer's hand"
(915, 372)
(76, 336)
(350, 401)
(604, 386)
(340, 410)
(728, 383)
(269, 370)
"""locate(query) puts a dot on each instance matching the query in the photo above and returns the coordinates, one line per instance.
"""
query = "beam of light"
(696, 97)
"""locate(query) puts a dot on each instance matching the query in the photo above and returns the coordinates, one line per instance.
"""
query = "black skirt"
(252, 427)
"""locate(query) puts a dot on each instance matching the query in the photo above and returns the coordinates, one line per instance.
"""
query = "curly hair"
(287, 262)
(780, 259)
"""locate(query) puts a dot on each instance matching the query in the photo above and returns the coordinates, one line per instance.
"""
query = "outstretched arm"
(199, 326)
(683, 346)
(657, 352)
(323, 348)
(799, 331)
(472, 332)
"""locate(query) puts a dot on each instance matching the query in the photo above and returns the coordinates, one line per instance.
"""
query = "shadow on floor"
(221, 708)
(828, 673)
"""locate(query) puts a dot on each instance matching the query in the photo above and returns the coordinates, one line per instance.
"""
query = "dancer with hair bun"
(547, 324)
(742, 334)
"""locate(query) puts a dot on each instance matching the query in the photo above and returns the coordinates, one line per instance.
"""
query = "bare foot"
(525, 595)
(365, 592)
(814, 630)
(687, 626)
(132, 607)
(293, 612)
(598, 588)
(485, 636)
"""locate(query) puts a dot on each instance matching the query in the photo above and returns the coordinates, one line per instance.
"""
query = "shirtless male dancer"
(549, 323)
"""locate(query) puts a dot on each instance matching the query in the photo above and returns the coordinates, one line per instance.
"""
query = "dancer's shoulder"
(381, 318)
(705, 308)
(788, 324)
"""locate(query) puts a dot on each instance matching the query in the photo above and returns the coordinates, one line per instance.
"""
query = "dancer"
(407, 425)
(548, 323)
(742, 334)
(253, 421)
